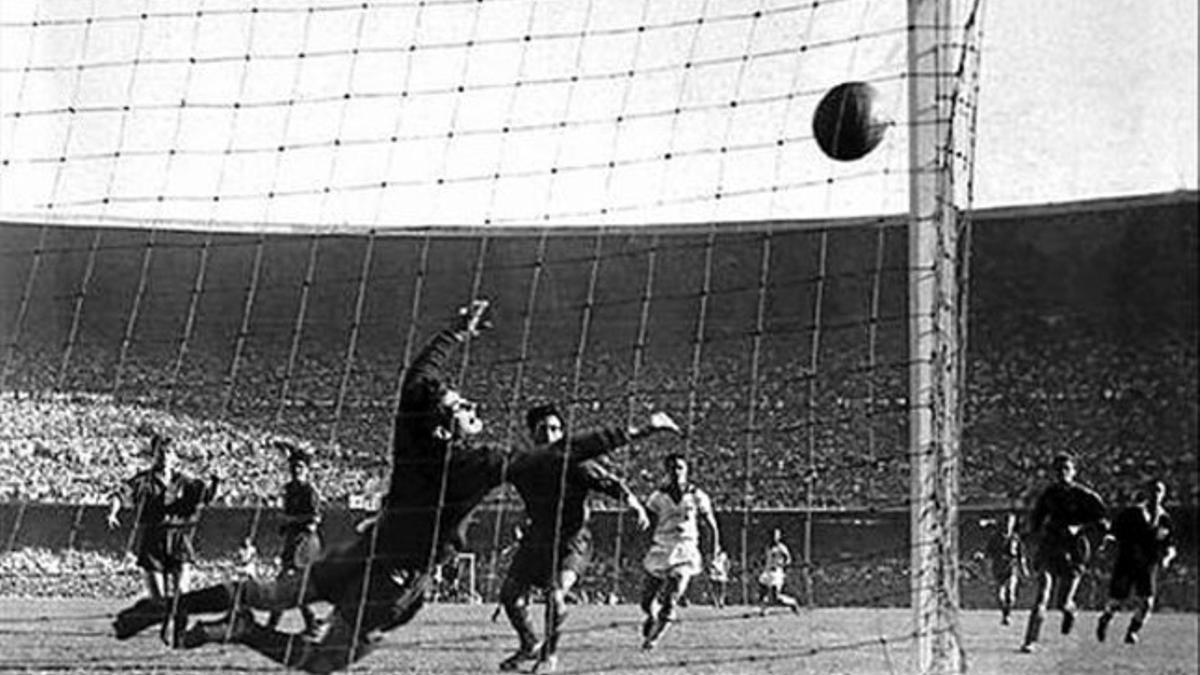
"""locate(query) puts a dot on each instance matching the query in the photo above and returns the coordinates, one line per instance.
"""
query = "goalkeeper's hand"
(472, 319)
(661, 421)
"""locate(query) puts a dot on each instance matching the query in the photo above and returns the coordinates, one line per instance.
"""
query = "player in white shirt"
(675, 511)
(776, 561)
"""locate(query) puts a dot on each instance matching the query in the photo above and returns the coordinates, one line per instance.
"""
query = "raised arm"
(601, 480)
(425, 381)
(597, 443)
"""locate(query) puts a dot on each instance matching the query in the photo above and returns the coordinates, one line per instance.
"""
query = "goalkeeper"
(379, 580)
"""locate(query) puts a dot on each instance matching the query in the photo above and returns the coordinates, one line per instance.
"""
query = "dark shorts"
(1139, 578)
(534, 564)
(299, 549)
(1063, 557)
(165, 549)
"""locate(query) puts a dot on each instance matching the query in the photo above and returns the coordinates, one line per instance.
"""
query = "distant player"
(676, 509)
(1057, 524)
(167, 503)
(1144, 536)
(300, 528)
(378, 580)
(776, 561)
(1006, 552)
(718, 578)
(557, 547)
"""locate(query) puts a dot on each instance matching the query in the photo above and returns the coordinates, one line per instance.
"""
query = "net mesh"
(238, 221)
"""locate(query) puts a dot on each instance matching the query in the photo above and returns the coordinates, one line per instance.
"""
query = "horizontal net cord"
(625, 162)
(489, 42)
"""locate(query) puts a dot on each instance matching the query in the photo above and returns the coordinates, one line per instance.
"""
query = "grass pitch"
(73, 636)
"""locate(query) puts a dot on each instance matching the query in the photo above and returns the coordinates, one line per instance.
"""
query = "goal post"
(941, 109)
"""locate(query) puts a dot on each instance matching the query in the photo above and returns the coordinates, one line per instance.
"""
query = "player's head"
(458, 418)
(676, 466)
(545, 424)
(776, 536)
(162, 454)
(1155, 492)
(1064, 468)
(299, 464)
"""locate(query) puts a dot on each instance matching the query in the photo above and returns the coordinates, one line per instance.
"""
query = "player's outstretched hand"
(661, 421)
(113, 521)
(643, 519)
(472, 319)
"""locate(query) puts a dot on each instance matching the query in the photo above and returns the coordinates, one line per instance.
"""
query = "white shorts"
(772, 578)
(680, 560)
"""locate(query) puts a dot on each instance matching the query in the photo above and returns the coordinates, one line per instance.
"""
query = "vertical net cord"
(23, 307)
(348, 359)
(447, 454)
(518, 383)
(345, 100)
(527, 318)
(285, 387)
(639, 354)
(585, 325)
(77, 312)
(764, 274)
(85, 44)
(811, 422)
(698, 338)
(410, 338)
(134, 311)
(239, 344)
(721, 169)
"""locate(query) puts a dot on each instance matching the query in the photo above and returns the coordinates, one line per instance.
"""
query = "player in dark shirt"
(302, 518)
(1006, 552)
(557, 546)
(1145, 544)
(1057, 524)
(379, 579)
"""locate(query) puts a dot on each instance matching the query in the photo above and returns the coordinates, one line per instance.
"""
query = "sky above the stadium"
(443, 112)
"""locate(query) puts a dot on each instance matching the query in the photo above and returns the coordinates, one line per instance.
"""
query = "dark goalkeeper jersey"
(1142, 537)
(1063, 509)
(541, 484)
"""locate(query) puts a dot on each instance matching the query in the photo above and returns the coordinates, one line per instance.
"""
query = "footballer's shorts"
(164, 549)
(1063, 556)
(534, 563)
(1141, 579)
(772, 578)
(679, 560)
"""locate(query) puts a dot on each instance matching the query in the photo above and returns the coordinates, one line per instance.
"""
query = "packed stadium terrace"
(1083, 338)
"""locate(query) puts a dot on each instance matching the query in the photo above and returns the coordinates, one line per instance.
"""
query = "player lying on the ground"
(1058, 523)
(556, 550)
(1145, 544)
(378, 580)
(674, 554)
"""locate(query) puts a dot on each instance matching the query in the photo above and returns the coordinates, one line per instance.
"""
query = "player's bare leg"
(514, 597)
(651, 589)
(1145, 606)
(1106, 617)
(1070, 584)
(1007, 596)
(1041, 601)
(672, 589)
(556, 616)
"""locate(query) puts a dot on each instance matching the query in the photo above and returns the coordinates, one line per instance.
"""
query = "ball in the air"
(847, 122)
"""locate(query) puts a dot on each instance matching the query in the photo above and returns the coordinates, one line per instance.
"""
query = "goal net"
(238, 220)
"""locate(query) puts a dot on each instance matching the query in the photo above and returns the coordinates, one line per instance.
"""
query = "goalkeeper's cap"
(540, 412)
(1063, 459)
